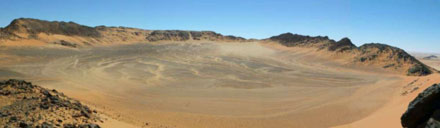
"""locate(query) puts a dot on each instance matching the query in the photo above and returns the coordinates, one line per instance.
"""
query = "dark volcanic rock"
(35, 26)
(424, 110)
(175, 35)
(369, 54)
(289, 39)
(26, 105)
(342, 45)
(178, 35)
(419, 69)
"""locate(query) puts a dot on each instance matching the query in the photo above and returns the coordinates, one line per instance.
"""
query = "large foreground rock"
(424, 110)
(23, 104)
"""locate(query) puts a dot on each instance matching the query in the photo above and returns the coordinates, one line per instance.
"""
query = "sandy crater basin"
(207, 84)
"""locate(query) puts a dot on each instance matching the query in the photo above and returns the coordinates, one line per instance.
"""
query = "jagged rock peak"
(342, 45)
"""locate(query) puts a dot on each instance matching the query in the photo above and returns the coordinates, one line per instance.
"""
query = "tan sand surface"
(216, 85)
(389, 115)
(434, 62)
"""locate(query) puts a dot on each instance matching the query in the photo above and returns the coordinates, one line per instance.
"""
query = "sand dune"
(205, 84)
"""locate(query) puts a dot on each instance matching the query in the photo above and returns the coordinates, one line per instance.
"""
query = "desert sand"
(432, 62)
(213, 84)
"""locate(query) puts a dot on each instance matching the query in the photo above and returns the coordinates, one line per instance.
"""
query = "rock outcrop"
(291, 40)
(23, 104)
(32, 27)
(424, 110)
(381, 55)
(394, 57)
(178, 35)
(342, 45)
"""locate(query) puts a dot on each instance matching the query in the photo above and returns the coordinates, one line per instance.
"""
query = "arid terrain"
(431, 59)
(179, 79)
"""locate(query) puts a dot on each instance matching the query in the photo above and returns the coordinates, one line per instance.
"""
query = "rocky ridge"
(53, 32)
(23, 104)
(73, 35)
(178, 35)
(383, 55)
(32, 27)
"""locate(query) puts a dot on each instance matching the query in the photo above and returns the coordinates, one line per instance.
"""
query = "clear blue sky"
(413, 25)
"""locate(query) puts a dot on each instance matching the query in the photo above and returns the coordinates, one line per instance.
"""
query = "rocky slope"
(424, 110)
(23, 104)
(33, 27)
(381, 55)
(71, 34)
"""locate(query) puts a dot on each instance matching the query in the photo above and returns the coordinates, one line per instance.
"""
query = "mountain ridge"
(74, 35)
(378, 54)
(28, 28)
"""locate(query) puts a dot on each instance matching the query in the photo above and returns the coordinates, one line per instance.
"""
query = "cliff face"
(381, 55)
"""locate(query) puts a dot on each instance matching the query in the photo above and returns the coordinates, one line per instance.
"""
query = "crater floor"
(206, 84)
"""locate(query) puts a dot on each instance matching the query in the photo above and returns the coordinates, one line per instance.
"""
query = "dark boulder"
(424, 110)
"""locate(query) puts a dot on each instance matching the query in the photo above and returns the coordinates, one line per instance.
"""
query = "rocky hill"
(71, 34)
(33, 27)
(430, 57)
(25, 105)
(424, 110)
(381, 55)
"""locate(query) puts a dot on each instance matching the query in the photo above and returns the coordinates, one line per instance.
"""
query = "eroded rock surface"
(23, 104)
(424, 110)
